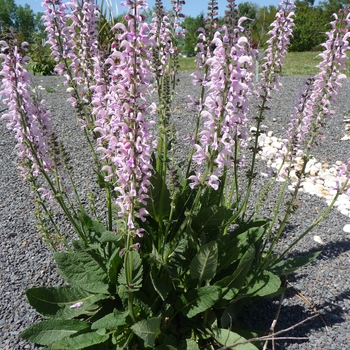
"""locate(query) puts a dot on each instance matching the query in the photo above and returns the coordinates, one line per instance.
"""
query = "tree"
(331, 6)
(7, 13)
(310, 23)
(191, 25)
(248, 9)
(24, 22)
(261, 25)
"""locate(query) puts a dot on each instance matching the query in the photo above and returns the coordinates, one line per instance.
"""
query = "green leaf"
(241, 271)
(161, 288)
(262, 284)
(153, 202)
(191, 345)
(111, 321)
(203, 265)
(82, 270)
(56, 301)
(198, 300)
(228, 338)
(234, 245)
(284, 267)
(211, 219)
(50, 331)
(178, 255)
(169, 342)
(113, 265)
(123, 341)
(109, 236)
(136, 269)
(80, 341)
(147, 330)
(165, 347)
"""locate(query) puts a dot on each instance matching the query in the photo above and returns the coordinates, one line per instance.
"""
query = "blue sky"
(192, 7)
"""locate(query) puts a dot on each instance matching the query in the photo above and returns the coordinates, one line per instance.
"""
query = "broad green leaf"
(191, 345)
(198, 300)
(234, 245)
(203, 265)
(147, 330)
(262, 284)
(228, 338)
(161, 288)
(50, 331)
(241, 271)
(211, 219)
(155, 198)
(111, 321)
(122, 341)
(169, 342)
(255, 229)
(136, 269)
(109, 236)
(81, 270)
(80, 341)
(55, 302)
(178, 255)
(114, 263)
(165, 347)
(284, 267)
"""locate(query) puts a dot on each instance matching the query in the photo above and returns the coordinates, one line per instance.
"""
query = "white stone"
(291, 188)
(346, 228)
(338, 162)
(309, 188)
(277, 144)
(344, 212)
(330, 182)
(345, 138)
(269, 133)
(270, 153)
(292, 176)
(332, 170)
(318, 239)
(313, 170)
(267, 140)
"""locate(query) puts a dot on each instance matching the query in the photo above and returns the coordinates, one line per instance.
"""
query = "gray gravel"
(27, 262)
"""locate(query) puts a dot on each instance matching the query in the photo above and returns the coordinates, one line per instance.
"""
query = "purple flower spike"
(27, 116)
(125, 141)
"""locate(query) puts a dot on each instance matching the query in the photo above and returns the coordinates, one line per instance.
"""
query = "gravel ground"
(322, 288)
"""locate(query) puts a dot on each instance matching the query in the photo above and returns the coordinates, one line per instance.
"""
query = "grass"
(297, 63)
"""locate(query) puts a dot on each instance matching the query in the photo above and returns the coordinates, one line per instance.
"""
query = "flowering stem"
(196, 131)
(316, 222)
(250, 173)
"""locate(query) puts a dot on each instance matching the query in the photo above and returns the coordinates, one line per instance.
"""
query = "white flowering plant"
(177, 253)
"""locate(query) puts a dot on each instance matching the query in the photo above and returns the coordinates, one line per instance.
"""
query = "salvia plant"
(178, 250)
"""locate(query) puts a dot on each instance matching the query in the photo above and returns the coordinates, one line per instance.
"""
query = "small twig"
(274, 322)
(269, 337)
(306, 301)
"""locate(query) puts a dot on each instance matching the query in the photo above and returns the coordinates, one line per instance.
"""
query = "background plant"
(176, 254)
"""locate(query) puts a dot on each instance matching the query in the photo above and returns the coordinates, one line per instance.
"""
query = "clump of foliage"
(177, 251)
